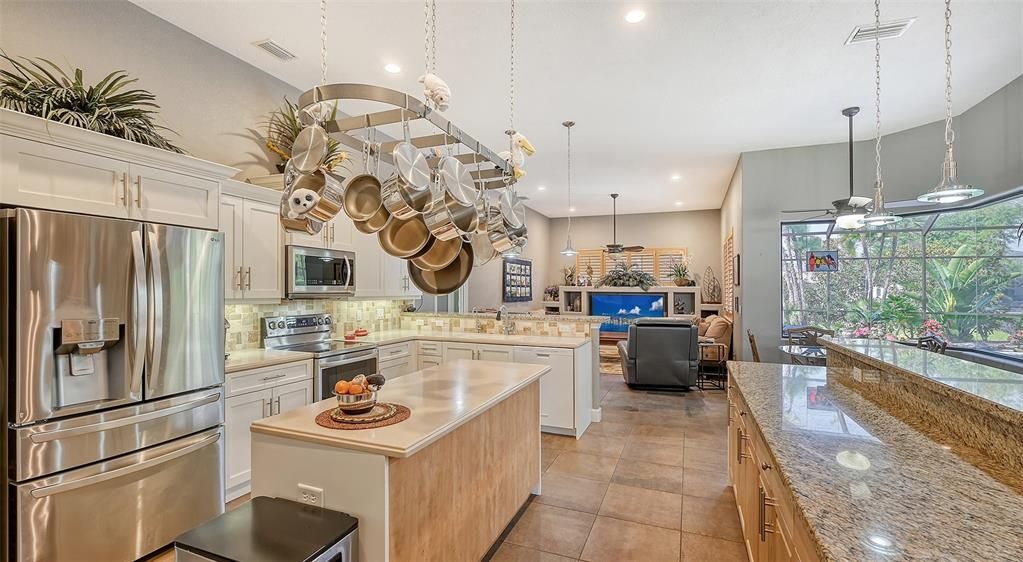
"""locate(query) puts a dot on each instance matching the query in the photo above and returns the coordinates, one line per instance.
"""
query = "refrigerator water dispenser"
(81, 359)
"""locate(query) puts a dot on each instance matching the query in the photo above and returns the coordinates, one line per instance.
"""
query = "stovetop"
(328, 348)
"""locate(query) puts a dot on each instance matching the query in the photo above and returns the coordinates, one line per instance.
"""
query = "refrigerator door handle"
(138, 359)
(155, 316)
(196, 443)
(132, 420)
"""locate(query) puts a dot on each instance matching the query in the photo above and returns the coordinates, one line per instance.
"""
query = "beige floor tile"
(648, 475)
(650, 507)
(552, 529)
(603, 445)
(613, 540)
(714, 518)
(609, 428)
(513, 553)
(552, 441)
(715, 441)
(698, 548)
(572, 492)
(644, 430)
(584, 466)
(706, 459)
(655, 452)
(706, 483)
(547, 457)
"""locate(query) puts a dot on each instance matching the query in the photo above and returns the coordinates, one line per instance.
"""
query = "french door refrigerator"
(112, 349)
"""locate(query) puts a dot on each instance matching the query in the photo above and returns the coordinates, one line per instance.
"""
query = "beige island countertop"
(441, 399)
(387, 337)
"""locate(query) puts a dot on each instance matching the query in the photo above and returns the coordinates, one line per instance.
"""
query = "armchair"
(660, 353)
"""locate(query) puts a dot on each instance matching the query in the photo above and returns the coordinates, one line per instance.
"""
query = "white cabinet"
(397, 360)
(397, 282)
(253, 395)
(453, 351)
(173, 198)
(398, 367)
(557, 396)
(369, 275)
(336, 235)
(253, 240)
(427, 361)
(495, 353)
(480, 352)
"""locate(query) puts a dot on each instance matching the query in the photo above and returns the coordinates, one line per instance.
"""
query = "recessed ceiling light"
(571, 209)
(675, 177)
(635, 16)
(678, 203)
(392, 68)
(541, 187)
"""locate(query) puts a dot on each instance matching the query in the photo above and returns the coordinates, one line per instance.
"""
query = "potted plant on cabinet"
(680, 273)
(283, 125)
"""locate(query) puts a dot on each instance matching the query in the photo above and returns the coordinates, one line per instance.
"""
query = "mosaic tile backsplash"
(348, 315)
(549, 326)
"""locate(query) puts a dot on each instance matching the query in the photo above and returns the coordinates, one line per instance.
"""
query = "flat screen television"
(626, 308)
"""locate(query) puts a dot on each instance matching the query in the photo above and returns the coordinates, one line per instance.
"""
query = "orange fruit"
(341, 387)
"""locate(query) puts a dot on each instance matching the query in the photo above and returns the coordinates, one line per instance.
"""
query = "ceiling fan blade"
(807, 211)
(633, 249)
(906, 204)
(815, 217)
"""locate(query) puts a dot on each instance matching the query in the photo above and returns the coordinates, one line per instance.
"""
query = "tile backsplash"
(348, 315)
(547, 326)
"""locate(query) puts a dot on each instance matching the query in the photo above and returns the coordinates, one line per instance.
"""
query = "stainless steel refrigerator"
(112, 349)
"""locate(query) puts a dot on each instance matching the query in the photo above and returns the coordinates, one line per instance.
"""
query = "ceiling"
(681, 93)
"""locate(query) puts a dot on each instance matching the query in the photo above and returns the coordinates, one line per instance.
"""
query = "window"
(957, 272)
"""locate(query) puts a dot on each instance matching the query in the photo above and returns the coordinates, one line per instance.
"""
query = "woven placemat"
(324, 420)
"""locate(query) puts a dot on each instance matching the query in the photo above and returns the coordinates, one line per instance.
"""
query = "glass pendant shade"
(851, 220)
(950, 190)
(569, 250)
(879, 216)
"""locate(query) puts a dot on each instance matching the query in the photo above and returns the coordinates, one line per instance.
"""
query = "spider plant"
(41, 88)
(627, 276)
(283, 126)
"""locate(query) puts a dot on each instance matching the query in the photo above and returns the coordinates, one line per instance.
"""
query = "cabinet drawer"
(394, 351)
(267, 377)
(429, 348)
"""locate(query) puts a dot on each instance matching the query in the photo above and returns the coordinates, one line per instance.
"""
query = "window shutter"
(644, 261)
(590, 258)
(665, 258)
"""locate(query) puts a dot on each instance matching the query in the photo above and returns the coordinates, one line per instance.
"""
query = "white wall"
(699, 231)
(989, 151)
(208, 97)
(485, 282)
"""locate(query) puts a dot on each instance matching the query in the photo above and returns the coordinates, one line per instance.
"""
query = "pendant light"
(878, 216)
(851, 211)
(950, 190)
(569, 250)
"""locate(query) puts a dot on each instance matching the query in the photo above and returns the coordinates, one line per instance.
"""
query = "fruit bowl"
(356, 403)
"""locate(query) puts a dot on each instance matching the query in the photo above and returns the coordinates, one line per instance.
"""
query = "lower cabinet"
(765, 513)
(477, 351)
(426, 361)
(397, 360)
(258, 393)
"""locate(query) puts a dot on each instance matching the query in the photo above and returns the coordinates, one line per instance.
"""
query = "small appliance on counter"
(332, 360)
(272, 530)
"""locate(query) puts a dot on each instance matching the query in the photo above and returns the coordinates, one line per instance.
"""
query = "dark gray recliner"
(660, 353)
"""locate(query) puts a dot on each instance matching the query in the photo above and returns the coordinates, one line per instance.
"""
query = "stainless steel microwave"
(319, 273)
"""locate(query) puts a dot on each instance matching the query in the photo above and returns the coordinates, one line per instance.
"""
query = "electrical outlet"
(310, 495)
(380, 314)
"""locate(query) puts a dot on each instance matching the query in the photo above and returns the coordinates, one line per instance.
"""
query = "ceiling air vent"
(889, 30)
(274, 49)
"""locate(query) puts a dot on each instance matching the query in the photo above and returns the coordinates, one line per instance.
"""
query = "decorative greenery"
(627, 276)
(551, 293)
(283, 126)
(41, 88)
(680, 270)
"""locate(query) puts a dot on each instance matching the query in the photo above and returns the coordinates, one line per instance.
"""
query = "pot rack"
(494, 172)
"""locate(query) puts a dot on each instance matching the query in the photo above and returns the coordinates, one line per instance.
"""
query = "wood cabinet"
(252, 395)
(49, 165)
(253, 242)
(771, 531)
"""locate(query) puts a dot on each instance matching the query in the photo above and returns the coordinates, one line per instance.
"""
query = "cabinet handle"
(274, 377)
(269, 408)
(277, 406)
(240, 278)
(765, 466)
(248, 279)
(138, 192)
(765, 501)
(124, 189)
(740, 451)
(332, 233)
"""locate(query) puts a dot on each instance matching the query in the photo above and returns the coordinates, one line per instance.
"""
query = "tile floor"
(647, 484)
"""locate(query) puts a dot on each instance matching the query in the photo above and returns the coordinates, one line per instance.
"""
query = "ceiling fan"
(614, 247)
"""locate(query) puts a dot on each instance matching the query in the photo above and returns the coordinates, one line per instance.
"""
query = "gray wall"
(485, 282)
(699, 231)
(731, 223)
(207, 96)
(990, 154)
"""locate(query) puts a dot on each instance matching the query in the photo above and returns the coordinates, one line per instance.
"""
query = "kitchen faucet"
(507, 326)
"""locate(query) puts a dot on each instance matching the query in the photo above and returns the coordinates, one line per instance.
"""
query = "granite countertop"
(245, 359)
(386, 337)
(871, 487)
(1001, 387)
(524, 316)
(441, 399)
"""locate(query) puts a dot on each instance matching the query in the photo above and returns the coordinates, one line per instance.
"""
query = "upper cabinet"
(335, 235)
(48, 165)
(253, 241)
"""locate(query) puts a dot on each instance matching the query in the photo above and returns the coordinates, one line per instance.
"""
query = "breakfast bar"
(440, 485)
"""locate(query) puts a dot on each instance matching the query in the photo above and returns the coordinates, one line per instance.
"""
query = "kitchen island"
(441, 485)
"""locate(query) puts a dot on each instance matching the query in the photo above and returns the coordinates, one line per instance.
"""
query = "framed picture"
(822, 261)
(517, 276)
(736, 263)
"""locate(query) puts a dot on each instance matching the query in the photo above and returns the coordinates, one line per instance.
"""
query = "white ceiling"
(683, 92)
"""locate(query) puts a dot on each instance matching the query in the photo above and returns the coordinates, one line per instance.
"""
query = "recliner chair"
(660, 353)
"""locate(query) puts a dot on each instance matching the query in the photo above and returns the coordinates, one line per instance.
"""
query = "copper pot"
(439, 254)
(404, 238)
(445, 280)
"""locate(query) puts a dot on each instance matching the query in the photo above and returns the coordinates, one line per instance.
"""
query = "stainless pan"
(439, 254)
(404, 238)
(453, 212)
(362, 198)
(375, 223)
(326, 184)
(446, 280)
(402, 201)
(309, 149)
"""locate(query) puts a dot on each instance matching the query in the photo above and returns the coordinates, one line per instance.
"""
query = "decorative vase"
(681, 282)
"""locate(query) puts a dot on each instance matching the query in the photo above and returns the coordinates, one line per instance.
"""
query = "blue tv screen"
(625, 308)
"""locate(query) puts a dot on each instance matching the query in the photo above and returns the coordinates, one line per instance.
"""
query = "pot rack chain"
(949, 133)
(508, 179)
(323, 41)
(430, 36)
(877, 91)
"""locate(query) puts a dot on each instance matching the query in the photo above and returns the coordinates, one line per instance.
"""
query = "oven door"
(329, 370)
(316, 272)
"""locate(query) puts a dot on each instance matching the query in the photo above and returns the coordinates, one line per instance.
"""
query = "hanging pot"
(445, 280)
(482, 249)
(506, 226)
(309, 149)
(439, 254)
(326, 185)
(402, 201)
(362, 198)
(453, 212)
(375, 223)
(404, 238)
